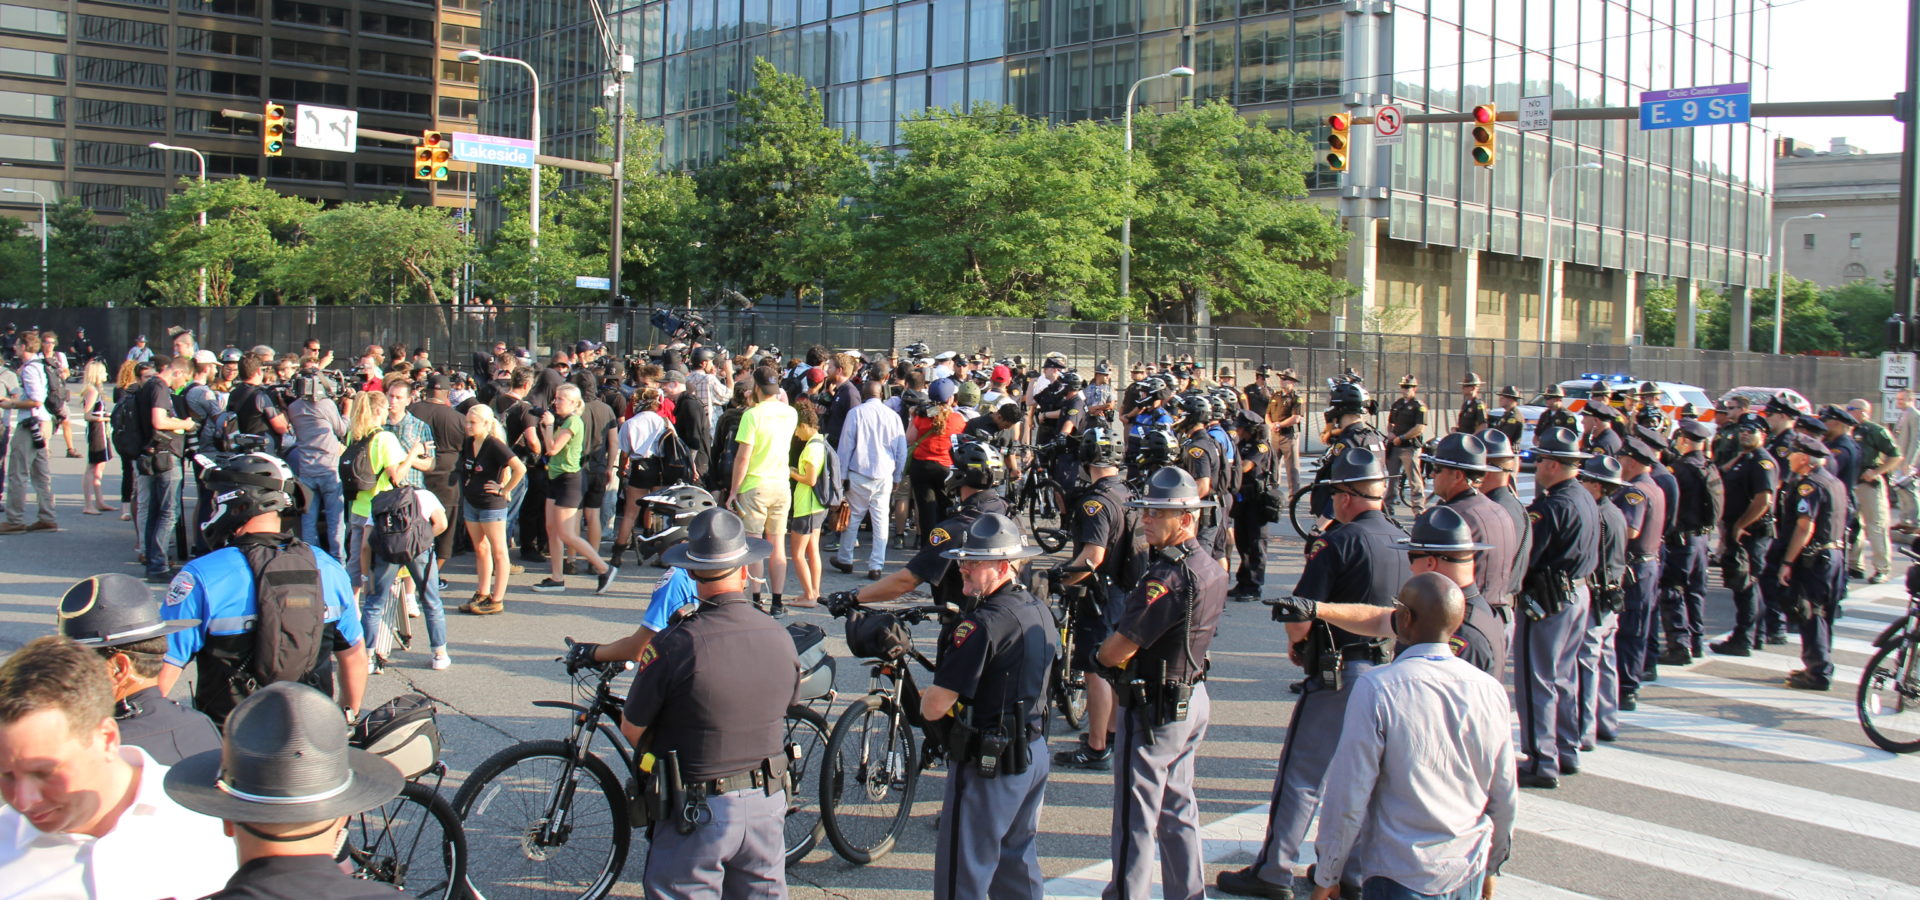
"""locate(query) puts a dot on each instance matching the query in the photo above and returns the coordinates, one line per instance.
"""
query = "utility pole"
(622, 64)
(1907, 255)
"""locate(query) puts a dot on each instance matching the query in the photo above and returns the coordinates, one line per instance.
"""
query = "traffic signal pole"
(1900, 330)
(413, 140)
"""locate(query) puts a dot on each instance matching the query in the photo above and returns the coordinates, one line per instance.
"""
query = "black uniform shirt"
(1492, 569)
(1101, 519)
(938, 572)
(1643, 507)
(1845, 461)
(1751, 474)
(315, 877)
(1566, 530)
(1523, 551)
(1259, 452)
(1821, 497)
(716, 688)
(168, 731)
(998, 655)
(1473, 416)
(1156, 614)
(1613, 542)
(1698, 482)
(1257, 398)
(1358, 562)
(1605, 441)
(1200, 456)
(1405, 413)
(1557, 418)
(1508, 421)
(1670, 488)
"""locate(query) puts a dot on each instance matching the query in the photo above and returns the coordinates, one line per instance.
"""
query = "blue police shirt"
(669, 596)
(1147, 421)
(217, 589)
(1220, 437)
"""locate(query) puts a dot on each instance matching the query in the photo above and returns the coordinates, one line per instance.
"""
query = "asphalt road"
(1723, 784)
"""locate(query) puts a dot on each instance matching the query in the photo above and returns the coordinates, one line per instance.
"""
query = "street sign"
(1896, 375)
(1720, 104)
(1536, 114)
(610, 332)
(326, 128)
(490, 150)
(1389, 126)
(592, 282)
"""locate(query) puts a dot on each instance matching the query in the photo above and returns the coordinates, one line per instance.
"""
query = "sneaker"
(44, 525)
(606, 579)
(441, 660)
(1877, 578)
(550, 585)
(17, 528)
(572, 567)
(1085, 757)
(486, 606)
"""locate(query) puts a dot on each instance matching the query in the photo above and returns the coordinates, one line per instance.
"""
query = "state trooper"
(1349, 426)
(1109, 556)
(1806, 569)
(1499, 486)
(1553, 612)
(1473, 410)
(1257, 471)
(1603, 428)
(1285, 415)
(1643, 507)
(115, 615)
(1749, 481)
(1508, 419)
(977, 469)
(1360, 561)
(709, 700)
(1555, 415)
(1601, 392)
(1459, 463)
(1202, 457)
(1684, 577)
(1598, 660)
(1440, 541)
(1157, 659)
(1406, 434)
(989, 693)
(1648, 412)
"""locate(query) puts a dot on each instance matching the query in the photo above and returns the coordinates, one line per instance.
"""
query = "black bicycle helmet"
(672, 508)
(1101, 446)
(1195, 407)
(1158, 447)
(975, 464)
(1347, 398)
(243, 487)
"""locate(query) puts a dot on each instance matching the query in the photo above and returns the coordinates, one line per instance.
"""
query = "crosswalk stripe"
(1823, 706)
(1862, 758)
(1701, 856)
(1843, 676)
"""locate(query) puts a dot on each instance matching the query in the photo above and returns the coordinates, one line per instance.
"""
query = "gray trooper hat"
(1170, 487)
(992, 536)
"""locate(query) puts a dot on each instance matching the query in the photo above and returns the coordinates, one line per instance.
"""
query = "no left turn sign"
(1388, 126)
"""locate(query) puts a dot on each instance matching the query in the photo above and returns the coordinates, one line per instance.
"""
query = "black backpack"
(396, 530)
(290, 631)
(357, 474)
(56, 402)
(125, 422)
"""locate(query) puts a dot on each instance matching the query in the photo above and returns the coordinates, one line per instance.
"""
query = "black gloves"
(839, 603)
(1293, 610)
(580, 656)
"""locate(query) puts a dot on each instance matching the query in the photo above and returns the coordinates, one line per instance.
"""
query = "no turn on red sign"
(1389, 126)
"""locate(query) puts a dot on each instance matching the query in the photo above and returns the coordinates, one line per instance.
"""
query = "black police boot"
(1246, 883)
(1629, 701)
(1676, 656)
(1777, 639)
(1731, 647)
(1536, 780)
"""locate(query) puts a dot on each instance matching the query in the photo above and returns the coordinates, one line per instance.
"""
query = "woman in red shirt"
(930, 435)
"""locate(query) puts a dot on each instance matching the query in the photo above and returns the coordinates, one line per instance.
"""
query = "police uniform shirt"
(1405, 413)
(1492, 569)
(1508, 421)
(716, 688)
(1259, 452)
(1751, 474)
(1200, 456)
(1285, 405)
(1606, 441)
(1229, 456)
(997, 657)
(1557, 418)
(1566, 530)
(1473, 416)
(1643, 508)
(1359, 562)
(299, 878)
(938, 572)
(1697, 481)
(1818, 496)
(1612, 565)
(1523, 550)
(1258, 398)
(218, 590)
(1101, 520)
(1156, 616)
(168, 731)
(1670, 488)
(1876, 446)
(1844, 463)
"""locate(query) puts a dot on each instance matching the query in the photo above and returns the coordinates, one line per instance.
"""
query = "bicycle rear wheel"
(1300, 512)
(806, 743)
(866, 794)
(541, 825)
(1889, 697)
(413, 842)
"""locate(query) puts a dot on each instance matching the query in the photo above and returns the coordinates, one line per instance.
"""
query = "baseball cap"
(439, 382)
(942, 391)
(204, 358)
(674, 376)
(1002, 373)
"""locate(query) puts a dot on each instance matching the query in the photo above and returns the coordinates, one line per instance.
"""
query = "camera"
(681, 324)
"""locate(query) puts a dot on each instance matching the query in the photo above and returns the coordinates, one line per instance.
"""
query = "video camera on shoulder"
(681, 324)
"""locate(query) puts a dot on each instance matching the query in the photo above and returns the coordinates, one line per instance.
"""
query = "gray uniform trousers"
(1154, 806)
(1546, 677)
(986, 844)
(739, 854)
(1312, 736)
(1599, 663)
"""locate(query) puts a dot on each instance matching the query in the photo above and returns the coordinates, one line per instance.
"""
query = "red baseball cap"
(1002, 373)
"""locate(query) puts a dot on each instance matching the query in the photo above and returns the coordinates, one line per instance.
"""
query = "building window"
(102, 70)
(120, 114)
(301, 90)
(109, 155)
(210, 121)
(408, 102)
(224, 164)
(1806, 242)
(216, 43)
(396, 26)
(464, 35)
(308, 53)
(459, 72)
(313, 14)
(116, 197)
(306, 169)
(15, 61)
(222, 84)
(31, 149)
(457, 108)
(1855, 272)
(404, 64)
(29, 19)
(106, 30)
(1853, 241)
(242, 9)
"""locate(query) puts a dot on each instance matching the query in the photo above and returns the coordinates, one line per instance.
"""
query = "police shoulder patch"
(179, 588)
(1635, 498)
(963, 631)
(1335, 449)
(1806, 488)
(938, 536)
(1766, 464)
(1196, 452)
(1155, 589)
(647, 655)
(1533, 516)
(1314, 547)
(1458, 643)
(1092, 507)
(1263, 448)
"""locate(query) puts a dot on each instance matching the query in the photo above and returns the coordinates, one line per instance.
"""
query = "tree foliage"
(1849, 319)
(373, 252)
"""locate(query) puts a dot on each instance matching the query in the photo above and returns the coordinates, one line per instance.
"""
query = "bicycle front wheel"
(806, 744)
(1889, 698)
(544, 825)
(1300, 512)
(413, 842)
(866, 791)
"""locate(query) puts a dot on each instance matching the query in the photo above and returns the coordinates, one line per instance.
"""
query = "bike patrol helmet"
(114, 609)
(1169, 487)
(1158, 447)
(992, 536)
(1460, 451)
(1603, 470)
(1101, 446)
(1498, 445)
(1217, 407)
(1354, 466)
(1195, 407)
(245, 486)
(230, 355)
(1347, 398)
(1071, 381)
(673, 509)
(975, 464)
(1441, 530)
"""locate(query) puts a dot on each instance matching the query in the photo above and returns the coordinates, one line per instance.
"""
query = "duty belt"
(1830, 545)
(756, 777)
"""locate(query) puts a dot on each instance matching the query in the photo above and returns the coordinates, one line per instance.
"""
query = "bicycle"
(394, 843)
(1067, 686)
(873, 762)
(1036, 495)
(1888, 701)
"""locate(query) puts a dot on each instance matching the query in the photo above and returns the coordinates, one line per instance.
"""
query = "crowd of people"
(327, 498)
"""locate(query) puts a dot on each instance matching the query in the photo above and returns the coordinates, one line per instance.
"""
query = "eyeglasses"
(1165, 513)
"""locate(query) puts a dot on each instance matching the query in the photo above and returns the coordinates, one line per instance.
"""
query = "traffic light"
(273, 129)
(1483, 134)
(1339, 137)
(431, 157)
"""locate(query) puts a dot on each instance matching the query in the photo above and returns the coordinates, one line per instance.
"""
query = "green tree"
(74, 253)
(1223, 216)
(988, 213)
(787, 170)
(659, 261)
(250, 228)
(358, 252)
(1808, 326)
(512, 270)
(19, 262)
(1860, 310)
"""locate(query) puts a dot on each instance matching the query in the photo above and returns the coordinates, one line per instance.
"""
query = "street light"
(1546, 254)
(533, 201)
(202, 157)
(43, 235)
(1126, 225)
(1780, 275)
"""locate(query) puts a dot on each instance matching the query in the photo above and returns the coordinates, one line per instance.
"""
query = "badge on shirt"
(1196, 452)
(647, 655)
(962, 632)
(1155, 590)
(1806, 488)
(938, 537)
(1091, 508)
(177, 591)
(1335, 449)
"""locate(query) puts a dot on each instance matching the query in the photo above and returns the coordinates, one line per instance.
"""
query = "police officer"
(1459, 463)
(1256, 461)
(1847, 464)
(1284, 413)
(1108, 557)
(1598, 660)
(709, 701)
(1204, 459)
(1643, 510)
(1603, 428)
(1148, 413)
(1685, 576)
(1806, 574)
(1154, 449)
(991, 679)
(1067, 418)
(1554, 600)
(1555, 415)
(1499, 487)
(1157, 659)
(1260, 394)
(1780, 415)
(1349, 427)
(1507, 419)
(1473, 410)
(1406, 430)
(1648, 411)
(1601, 392)
(977, 469)
(1360, 561)
(115, 615)
(252, 525)
(1749, 481)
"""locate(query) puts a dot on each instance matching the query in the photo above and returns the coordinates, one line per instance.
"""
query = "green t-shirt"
(386, 451)
(767, 430)
(813, 457)
(568, 459)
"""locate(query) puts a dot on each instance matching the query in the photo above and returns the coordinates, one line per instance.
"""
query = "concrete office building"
(1442, 246)
(86, 85)
(1859, 195)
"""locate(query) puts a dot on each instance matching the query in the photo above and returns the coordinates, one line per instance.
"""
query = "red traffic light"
(1341, 123)
(1485, 114)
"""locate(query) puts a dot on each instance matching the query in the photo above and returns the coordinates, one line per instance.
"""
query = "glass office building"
(1442, 246)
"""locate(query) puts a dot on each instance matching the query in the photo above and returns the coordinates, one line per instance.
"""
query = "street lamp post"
(1780, 275)
(43, 235)
(202, 157)
(533, 200)
(1546, 255)
(1126, 224)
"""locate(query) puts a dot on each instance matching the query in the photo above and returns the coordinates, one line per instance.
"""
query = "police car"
(1673, 395)
(1758, 397)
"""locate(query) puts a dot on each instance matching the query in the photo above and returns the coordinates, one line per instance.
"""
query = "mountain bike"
(413, 842)
(1889, 696)
(1067, 686)
(1036, 496)
(874, 757)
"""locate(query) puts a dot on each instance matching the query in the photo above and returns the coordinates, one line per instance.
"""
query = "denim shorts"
(472, 513)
